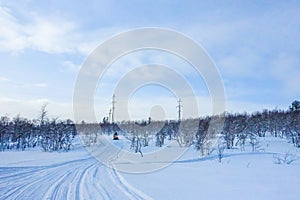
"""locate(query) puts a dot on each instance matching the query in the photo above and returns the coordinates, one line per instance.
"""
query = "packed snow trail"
(78, 179)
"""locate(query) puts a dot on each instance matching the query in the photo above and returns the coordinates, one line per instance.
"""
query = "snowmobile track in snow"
(78, 179)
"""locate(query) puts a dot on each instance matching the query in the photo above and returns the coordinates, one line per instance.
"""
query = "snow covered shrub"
(286, 158)
(221, 148)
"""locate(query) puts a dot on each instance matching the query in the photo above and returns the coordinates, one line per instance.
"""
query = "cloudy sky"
(43, 44)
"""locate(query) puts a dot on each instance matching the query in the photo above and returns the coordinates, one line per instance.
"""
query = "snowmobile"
(116, 137)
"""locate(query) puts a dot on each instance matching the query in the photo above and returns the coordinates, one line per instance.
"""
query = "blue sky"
(254, 45)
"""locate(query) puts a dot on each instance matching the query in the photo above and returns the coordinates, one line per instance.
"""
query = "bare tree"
(220, 150)
(43, 114)
(254, 143)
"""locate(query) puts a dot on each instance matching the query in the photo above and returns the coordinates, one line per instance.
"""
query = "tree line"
(51, 135)
(236, 130)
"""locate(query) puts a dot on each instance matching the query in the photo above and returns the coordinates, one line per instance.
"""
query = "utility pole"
(179, 109)
(109, 115)
(113, 108)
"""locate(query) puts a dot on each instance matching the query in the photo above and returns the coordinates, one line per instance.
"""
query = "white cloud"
(51, 35)
(47, 34)
(12, 83)
(69, 66)
(285, 68)
(88, 41)
(30, 107)
(2, 78)
(40, 85)
(12, 34)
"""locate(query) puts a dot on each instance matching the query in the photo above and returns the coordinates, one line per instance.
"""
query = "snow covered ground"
(33, 174)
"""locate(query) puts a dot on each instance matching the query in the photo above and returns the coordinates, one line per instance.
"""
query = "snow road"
(78, 179)
(84, 178)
